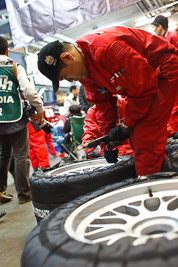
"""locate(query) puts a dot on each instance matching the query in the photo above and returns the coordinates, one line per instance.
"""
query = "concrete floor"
(15, 226)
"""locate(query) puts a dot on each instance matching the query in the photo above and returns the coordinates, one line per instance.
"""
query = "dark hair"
(66, 46)
(73, 87)
(161, 20)
(75, 110)
(3, 45)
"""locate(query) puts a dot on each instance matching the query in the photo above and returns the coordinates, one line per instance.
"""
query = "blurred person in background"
(13, 126)
(92, 132)
(161, 25)
(49, 140)
(84, 104)
(74, 110)
(50, 145)
(38, 152)
(72, 98)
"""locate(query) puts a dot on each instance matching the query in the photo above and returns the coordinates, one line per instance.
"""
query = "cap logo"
(49, 60)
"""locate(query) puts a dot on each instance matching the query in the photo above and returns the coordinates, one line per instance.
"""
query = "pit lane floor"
(16, 225)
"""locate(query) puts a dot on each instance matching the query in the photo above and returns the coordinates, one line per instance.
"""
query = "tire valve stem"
(150, 193)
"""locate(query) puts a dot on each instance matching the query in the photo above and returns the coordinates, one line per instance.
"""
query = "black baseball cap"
(161, 20)
(48, 62)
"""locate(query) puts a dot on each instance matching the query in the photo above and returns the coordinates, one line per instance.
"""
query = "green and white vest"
(10, 101)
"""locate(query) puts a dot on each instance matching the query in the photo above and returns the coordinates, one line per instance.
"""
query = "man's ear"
(161, 27)
(66, 57)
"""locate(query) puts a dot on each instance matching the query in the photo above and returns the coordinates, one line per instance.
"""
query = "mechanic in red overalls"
(126, 61)
(48, 137)
(38, 152)
(160, 25)
(91, 131)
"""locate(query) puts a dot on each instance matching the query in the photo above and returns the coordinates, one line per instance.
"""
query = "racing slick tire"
(71, 181)
(133, 223)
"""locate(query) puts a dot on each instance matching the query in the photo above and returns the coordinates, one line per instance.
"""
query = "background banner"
(33, 20)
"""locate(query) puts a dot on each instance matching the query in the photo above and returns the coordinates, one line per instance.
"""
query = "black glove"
(119, 134)
(93, 155)
(111, 156)
(174, 135)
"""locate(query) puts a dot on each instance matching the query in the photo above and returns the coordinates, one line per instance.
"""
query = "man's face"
(76, 91)
(157, 30)
(73, 71)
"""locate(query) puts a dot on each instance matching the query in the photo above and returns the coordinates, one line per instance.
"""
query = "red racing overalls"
(143, 67)
(38, 152)
(91, 130)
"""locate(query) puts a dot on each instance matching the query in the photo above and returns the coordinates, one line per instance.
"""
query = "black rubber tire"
(171, 161)
(171, 145)
(49, 193)
(49, 245)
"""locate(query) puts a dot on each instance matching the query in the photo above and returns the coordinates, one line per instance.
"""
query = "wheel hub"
(155, 226)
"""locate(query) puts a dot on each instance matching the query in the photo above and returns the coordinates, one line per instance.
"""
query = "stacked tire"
(126, 224)
(52, 189)
(102, 215)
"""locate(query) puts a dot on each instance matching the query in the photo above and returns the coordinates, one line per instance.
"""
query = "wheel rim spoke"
(131, 219)
(79, 168)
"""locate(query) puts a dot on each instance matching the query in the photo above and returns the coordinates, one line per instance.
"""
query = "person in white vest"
(13, 126)
(72, 98)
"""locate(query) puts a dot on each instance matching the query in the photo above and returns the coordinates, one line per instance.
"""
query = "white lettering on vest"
(4, 99)
(5, 84)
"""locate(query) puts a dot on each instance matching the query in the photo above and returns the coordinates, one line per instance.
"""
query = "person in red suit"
(126, 61)
(160, 24)
(50, 144)
(91, 132)
(38, 152)
(49, 140)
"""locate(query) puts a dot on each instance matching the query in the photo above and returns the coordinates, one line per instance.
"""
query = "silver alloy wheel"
(130, 215)
(80, 167)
